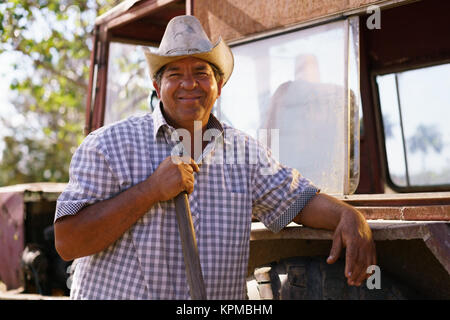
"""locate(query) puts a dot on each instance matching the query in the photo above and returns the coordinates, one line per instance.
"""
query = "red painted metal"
(11, 238)
(102, 80)
(437, 241)
(92, 85)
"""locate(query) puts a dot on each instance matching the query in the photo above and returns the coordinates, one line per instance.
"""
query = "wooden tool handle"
(190, 251)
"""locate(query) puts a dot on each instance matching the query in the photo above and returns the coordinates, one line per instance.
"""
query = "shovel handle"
(190, 251)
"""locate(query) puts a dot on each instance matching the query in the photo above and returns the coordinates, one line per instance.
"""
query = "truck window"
(129, 87)
(303, 87)
(415, 106)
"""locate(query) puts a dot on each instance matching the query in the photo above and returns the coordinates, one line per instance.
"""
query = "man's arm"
(351, 231)
(99, 225)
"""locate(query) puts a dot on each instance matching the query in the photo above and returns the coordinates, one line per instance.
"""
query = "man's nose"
(188, 82)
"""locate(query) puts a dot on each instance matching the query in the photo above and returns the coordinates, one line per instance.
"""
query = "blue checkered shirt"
(146, 262)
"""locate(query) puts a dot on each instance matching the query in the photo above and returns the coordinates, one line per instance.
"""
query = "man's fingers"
(358, 262)
(190, 187)
(185, 160)
(191, 168)
(359, 272)
(371, 259)
(194, 165)
(176, 159)
(350, 257)
(374, 255)
(189, 180)
(188, 168)
(336, 248)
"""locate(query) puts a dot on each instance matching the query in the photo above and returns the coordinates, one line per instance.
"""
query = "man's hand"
(174, 175)
(354, 234)
(351, 231)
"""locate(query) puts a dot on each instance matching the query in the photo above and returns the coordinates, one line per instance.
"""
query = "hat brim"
(220, 55)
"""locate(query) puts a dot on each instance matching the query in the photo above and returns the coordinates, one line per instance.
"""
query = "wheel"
(311, 278)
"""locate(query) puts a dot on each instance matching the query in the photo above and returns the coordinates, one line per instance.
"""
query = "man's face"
(188, 92)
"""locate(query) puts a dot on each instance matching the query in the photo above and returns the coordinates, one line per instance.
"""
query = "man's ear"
(219, 87)
(158, 90)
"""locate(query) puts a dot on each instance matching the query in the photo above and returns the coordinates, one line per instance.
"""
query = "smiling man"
(190, 90)
(117, 214)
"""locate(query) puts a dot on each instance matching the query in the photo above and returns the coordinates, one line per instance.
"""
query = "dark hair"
(218, 74)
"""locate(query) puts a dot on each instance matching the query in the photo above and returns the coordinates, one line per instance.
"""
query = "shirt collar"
(160, 121)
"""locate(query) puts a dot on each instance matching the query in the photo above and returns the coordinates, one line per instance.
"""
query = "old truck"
(357, 95)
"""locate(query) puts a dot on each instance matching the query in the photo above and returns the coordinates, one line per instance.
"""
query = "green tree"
(426, 138)
(52, 40)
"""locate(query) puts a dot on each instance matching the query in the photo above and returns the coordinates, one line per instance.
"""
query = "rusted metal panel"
(47, 187)
(11, 238)
(92, 83)
(14, 201)
(37, 191)
(145, 22)
(140, 10)
(424, 213)
(432, 206)
(292, 231)
(17, 294)
(234, 19)
(381, 229)
(437, 240)
(398, 199)
(98, 113)
(372, 168)
(117, 11)
(406, 39)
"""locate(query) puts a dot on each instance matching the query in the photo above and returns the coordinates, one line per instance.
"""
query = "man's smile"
(189, 97)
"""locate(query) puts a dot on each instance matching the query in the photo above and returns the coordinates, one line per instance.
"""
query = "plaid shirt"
(146, 262)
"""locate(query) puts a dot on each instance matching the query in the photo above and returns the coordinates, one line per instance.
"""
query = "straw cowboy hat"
(185, 37)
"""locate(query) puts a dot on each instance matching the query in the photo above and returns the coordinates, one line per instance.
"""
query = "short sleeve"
(90, 178)
(279, 193)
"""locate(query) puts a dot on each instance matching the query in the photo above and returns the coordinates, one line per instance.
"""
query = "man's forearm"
(322, 212)
(97, 226)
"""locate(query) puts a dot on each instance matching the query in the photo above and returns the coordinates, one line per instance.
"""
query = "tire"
(311, 278)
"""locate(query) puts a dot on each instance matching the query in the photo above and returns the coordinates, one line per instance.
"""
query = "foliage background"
(52, 40)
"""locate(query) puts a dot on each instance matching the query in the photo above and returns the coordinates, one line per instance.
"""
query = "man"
(117, 215)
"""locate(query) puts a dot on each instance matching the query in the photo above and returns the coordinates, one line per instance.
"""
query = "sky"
(5, 78)
(6, 108)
